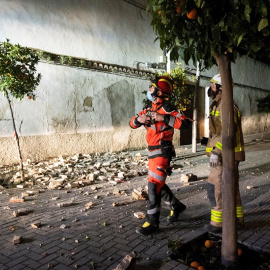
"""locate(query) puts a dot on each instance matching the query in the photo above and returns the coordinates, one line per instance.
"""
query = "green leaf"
(263, 9)
(198, 3)
(247, 12)
(240, 38)
(262, 24)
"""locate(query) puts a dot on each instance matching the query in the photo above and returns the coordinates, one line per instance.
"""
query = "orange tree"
(215, 32)
(18, 78)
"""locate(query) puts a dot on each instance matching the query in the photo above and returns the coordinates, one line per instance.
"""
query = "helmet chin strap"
(154, 94)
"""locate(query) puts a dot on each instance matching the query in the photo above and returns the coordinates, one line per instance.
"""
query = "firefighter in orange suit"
(160, 119)
(214, 150)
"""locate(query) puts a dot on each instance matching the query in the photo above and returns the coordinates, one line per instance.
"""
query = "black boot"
(175, 212)
(148, 229)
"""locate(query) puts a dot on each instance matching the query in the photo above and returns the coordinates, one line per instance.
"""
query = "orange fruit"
(239, 251)
(210, 244)
(195, 264)
(29, 97)
(179, 6)
(193, 14)
(201, 267)
(159, 12)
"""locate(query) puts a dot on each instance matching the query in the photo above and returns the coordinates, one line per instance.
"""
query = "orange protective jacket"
(161, 131)
(159, 138)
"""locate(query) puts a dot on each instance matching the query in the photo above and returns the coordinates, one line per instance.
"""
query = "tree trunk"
(17, 139)
(229, 235)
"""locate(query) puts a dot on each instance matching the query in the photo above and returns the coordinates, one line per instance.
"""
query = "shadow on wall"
(122, 101)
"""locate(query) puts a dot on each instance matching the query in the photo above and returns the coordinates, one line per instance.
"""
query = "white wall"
(79, 110)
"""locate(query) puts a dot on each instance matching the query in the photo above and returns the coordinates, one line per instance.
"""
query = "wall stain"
(122, 101)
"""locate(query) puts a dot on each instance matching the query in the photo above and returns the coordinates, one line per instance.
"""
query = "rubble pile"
(80, 170)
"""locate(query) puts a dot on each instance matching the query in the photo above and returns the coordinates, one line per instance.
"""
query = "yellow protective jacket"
(215, 127)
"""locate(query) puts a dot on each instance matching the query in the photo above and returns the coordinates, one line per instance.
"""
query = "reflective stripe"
(154, 153)
(216, 216)
(153, 127)
(216, 213)
(215, 113)
(153, 211)
(146, 224)
(172, 121)
(236, 149)
(133, 122)
(239, 149)
(239, 212)
(156, 176)
(168, 203)
(216, 219)
(219, 145)
(179, 114)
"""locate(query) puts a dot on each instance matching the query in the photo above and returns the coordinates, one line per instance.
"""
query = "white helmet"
(216, 79)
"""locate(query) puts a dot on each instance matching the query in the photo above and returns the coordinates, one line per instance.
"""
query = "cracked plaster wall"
(77, 110)
(87, 111)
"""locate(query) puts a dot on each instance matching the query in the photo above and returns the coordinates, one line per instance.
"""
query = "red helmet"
(165, 84)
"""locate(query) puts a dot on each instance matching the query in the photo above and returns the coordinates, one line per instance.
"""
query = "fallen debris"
(251, 187)
(139, 215)
(21, 212)
(120, 203)
(16, 199)
(17, 239)
(188, 178)
(63, 226)
(88, 205)
(126, 263)
(65, 204)
(81, 169)
(36, 225)
(140, 194)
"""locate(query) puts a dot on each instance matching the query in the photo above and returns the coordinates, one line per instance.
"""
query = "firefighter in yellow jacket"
(160, 119)
(214, 150)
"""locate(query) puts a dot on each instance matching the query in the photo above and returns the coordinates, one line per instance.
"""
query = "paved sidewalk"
(73, 237)
(255, 234)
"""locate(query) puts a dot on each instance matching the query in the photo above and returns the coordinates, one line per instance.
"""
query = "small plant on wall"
(264, 107)
(183, 93)
(18, 79)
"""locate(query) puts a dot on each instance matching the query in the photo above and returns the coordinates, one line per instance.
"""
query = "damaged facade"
(81, 110)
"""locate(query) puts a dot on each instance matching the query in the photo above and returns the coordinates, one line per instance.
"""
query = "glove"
(214, 160)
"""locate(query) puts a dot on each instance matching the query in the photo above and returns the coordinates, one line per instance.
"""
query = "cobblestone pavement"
(74, 237)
